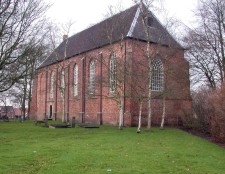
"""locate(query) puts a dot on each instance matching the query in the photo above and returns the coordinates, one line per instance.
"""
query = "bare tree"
(117, 69)
(116, 65)
(162, 48)
(19, 20)
(148, 55)
(138, 89)
(206, 45)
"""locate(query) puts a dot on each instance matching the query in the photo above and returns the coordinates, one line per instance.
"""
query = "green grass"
(26, 148)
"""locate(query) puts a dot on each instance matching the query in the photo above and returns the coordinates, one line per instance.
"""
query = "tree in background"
(218, 117)
(206, 54)
(22, 40)
(20, 22)
(206, 44)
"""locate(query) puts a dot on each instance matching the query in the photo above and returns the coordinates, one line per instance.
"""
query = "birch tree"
(138, 89)
(149, 58)
(117, 66)
(156, 50)
(117, 69)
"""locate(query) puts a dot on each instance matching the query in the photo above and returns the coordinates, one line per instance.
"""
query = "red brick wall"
(90, 108)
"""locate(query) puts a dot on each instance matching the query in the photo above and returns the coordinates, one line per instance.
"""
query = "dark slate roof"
(127, 24)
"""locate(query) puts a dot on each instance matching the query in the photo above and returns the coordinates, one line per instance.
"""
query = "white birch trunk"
(149, 95)
(63, 109)
(164, 112)
(150, 69)
(121, 112)
(139, 117)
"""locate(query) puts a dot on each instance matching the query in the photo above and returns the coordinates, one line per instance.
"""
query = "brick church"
(84, 75)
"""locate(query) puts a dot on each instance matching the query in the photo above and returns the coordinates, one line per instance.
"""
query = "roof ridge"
(119, 13)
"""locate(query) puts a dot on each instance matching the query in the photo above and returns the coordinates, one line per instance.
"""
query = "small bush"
(203, 109)
(218, 117)
(188, 119)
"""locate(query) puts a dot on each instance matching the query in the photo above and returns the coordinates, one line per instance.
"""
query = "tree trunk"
(139, 117)
(64, 107)
(29, 98)
(32, 73)
(24, 94)
(164, 112)
(121, 112)
(63, 104)
(24, 99)
(149, 96)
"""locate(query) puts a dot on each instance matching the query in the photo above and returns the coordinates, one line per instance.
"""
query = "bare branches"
(206, 43)
(19, 22)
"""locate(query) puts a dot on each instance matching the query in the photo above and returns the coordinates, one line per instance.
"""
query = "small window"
(149, 21)
(112, 73)
(76, 80)
(92, 77)
(52, 86)
(157, 75)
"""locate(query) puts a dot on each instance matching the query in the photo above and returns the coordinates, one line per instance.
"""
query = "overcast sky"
(88, 12)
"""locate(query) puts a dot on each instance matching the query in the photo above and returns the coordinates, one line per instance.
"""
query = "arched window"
(63, 80)
(52, 85)
(40, 82)
(40, 85)
(75, 76)
(92, 77)
(112, 73)
(157, 75)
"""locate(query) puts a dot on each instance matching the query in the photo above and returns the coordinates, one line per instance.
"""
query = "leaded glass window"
(112, 73)
(52, 86)
(92, 77)
(157, 75)
(76, 80)
(63, 80)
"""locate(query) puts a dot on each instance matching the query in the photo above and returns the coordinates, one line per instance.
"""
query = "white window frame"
(75, 76)
(157, 75)
(92, 77)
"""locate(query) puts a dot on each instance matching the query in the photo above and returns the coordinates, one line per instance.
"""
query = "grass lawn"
(26, 148)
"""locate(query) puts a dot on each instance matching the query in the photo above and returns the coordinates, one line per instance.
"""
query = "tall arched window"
(92, 77)
(112, 73)
(63, 79)
(52, 85)
(157, 75)
(62, 89)
(75, 76)
(40, 87)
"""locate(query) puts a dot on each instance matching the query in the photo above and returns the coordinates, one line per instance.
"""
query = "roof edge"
(127, 37)
(133, 24)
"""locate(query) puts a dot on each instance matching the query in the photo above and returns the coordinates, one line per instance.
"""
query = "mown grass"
(26, 148)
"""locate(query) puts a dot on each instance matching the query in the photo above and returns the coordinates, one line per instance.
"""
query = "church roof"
(127, 24)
